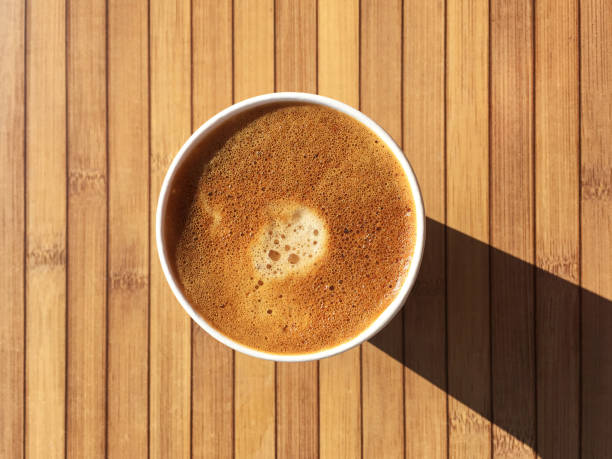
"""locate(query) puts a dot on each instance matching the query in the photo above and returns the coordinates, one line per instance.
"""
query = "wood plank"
(596, 225)
(87, 242)
(254, 414)
(557, 228)
(12, 226)
(128, 263)
(296, 45)
(512, 229)
(170, 326)
(253, 48)
(297, 388)
(425, 311)
(254, 397)
(212, 362)
(381, 99)
(339, 376)
(468, 216)
(45, 384)
(297, 410)
(338, 51)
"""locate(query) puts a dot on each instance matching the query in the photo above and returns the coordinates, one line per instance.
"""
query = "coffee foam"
(298, 288)
(290, 243)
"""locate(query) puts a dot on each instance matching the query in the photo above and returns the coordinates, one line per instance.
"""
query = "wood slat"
(254, 397)
(596, 225)
(45, 383)
(297, 389)
(339, 376)
(253, 48)
(425, 311)
(170, 326)
(254, 414)
(512, 229)
(12, 226)
(381, 99)
(296, 45)
(87, 235)
(338, 51)
(297, 416)
(468, 218)
(128, 207)
(212, 362)
(557, 228)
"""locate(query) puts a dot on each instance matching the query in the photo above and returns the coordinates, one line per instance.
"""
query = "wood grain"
(596, 225)
(512, 227)
(297, 415)
(557, 228)
(128, 232)
(296, 45)
(45, 382)
(339, 376)
(87, 235)
(338, 50)
(297, 388)
(468, 216)
(170, 327)
(425, 311)
(506, 117)
(212, 362)
(254, 397)
(254, 414)
(12, 227)
(382, 359)
(253, 48)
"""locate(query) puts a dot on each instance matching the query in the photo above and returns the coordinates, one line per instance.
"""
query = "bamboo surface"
(503, 108)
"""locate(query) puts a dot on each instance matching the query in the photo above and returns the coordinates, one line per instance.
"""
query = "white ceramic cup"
(191, 146)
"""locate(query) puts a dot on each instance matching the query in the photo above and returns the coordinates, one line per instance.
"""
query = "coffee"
(291, 229)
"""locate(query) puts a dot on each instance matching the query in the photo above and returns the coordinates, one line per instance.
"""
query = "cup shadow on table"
(470, 329)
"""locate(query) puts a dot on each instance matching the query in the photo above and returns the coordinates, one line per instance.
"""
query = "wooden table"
(504, 110)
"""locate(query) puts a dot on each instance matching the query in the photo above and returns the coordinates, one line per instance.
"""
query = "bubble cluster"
(301, 229)
(297, 231)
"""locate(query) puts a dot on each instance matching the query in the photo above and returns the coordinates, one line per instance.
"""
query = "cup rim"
(188, 147)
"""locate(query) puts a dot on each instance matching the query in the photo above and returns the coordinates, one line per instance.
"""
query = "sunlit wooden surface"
(504, 109)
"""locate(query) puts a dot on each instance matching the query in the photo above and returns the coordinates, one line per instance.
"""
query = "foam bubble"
(300, 254)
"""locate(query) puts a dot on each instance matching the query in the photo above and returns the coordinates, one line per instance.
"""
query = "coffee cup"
(190, 147)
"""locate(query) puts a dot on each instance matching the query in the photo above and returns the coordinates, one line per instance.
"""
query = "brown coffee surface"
(292, 228)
